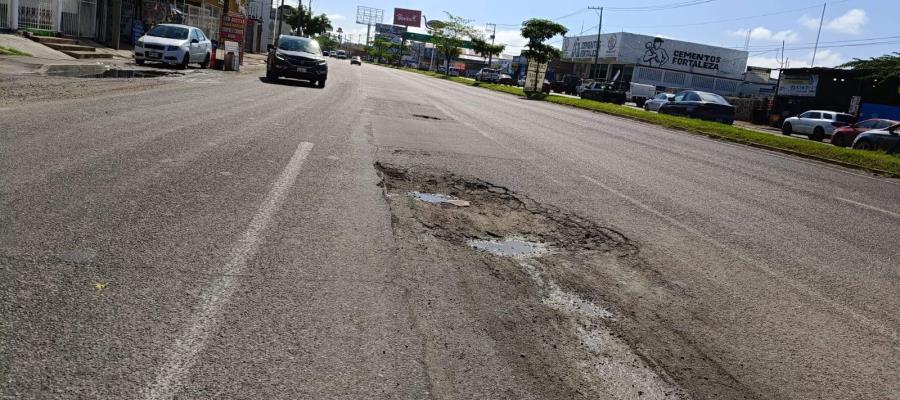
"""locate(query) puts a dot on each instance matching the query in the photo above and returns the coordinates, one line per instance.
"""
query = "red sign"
(406, 17)
(233, 27)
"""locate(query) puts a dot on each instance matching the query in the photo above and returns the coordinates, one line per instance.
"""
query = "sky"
(851, 28)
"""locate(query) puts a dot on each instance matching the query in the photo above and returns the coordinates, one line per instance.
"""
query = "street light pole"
(599, 30)
(813, 62)
(493, 35)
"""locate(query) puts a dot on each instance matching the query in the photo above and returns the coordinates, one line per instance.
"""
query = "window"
(812, 115)
(201, 35)
(680, 96)
(713, 98)
(883, 124)
(691, 96)
(869, 124)
(294, 43)
(169, 32)
(194, 34)
(828, 116)
(662, 96)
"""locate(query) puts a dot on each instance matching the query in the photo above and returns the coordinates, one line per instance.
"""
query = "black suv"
(299, 58)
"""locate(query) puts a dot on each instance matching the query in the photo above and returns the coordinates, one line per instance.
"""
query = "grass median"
(876, 161)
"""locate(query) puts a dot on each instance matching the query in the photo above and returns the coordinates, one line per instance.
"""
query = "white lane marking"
(205, 321)
(873, 208)
(806, 290)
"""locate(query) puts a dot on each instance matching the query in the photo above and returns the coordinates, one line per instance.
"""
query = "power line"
(816, 6)
(661, 7)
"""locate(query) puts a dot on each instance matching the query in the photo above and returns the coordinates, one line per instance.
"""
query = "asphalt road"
(217, 236)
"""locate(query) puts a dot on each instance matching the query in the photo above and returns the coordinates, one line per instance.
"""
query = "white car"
(657, 101)
(173, 44)
(488, 75)
(816, 124)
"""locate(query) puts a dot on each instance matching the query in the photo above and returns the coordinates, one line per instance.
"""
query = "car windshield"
(712, 98)
(844, 118)
(299, 44)
(168, 32)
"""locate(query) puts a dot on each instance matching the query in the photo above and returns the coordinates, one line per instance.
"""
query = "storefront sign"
(406, 17)
(233, 27)
(534, 77)
(388, 29)
(798, 85)
(420, 37)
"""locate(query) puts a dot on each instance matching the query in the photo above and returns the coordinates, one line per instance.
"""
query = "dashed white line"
(205, 321)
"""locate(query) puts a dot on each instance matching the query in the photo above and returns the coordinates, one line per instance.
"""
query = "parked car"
(639, 93)
(703, 105)
(487, 75)
(583, 85)
(845, 135)
(356, 60)
(173, 44)
(299, 58)
(341, 54)
(506, 80)
(610, 92)
(325, 53)
(657, 101)
(879, 139)
(816, 124)
(568, 85)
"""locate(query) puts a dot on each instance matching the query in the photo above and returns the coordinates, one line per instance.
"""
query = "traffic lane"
(762, 200)
(322, 312)
(751, 290)
(156, 235)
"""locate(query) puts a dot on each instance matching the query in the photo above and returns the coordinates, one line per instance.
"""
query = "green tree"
(306, 24)
(537, 31)
(327, 42)
(882, 67)
(381, 49)
(448, 37)
(485, 49)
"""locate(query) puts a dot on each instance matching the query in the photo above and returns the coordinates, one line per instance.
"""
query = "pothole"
(103, 71)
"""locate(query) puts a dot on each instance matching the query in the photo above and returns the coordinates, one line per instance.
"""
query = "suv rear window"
(844, 118)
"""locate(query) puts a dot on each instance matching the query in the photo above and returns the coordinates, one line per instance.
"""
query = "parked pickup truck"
(610, 92)
(639, 93)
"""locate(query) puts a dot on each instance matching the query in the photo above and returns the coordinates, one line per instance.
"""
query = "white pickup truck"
(639, 93)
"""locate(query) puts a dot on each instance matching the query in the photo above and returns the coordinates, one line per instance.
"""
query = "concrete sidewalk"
(31, 47)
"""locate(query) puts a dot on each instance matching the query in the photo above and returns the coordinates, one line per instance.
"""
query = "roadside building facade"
(665, 63)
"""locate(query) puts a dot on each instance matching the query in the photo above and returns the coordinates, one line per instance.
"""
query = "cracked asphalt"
(219, 236)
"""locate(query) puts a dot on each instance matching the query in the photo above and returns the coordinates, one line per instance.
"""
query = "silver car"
(173, 44)
(879, 139)
(657, 101)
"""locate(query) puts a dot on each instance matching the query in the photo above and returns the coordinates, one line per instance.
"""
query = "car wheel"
(787, 129)
(818, 134)
(863, 145)
(139, 62)
(205, 63)
(185, 61)
(320, 83)
(640, 102)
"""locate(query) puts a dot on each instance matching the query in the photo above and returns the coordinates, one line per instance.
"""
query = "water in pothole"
(515, 247)
(430, 197)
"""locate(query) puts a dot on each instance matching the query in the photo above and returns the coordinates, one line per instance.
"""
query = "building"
(841, 90)
(665, 63)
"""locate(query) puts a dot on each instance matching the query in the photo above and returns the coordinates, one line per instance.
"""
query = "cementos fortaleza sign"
(659, 52)
(406, 17)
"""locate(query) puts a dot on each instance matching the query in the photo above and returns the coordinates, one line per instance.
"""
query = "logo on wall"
(655, 53)
(406, 17)
(611, 43)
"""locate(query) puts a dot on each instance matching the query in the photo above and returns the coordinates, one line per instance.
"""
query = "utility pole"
(821, 20)
(278, 18)
(599, 30)
(493, 35)
(747, 42)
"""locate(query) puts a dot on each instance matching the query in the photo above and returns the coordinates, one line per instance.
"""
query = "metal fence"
(207, 18)
(79, 18)
(35, 14)
(4, 13)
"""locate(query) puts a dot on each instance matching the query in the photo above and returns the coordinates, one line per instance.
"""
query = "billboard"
(798, 85)
(389, 29)
(406, 17)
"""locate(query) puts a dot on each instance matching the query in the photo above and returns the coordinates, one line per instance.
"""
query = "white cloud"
(765, 62)
(850, 22)
(512, 39)
(336, 17)
(828, 58)
(765, 34)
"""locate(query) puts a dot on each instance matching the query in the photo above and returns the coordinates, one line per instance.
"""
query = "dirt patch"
(579, 320)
